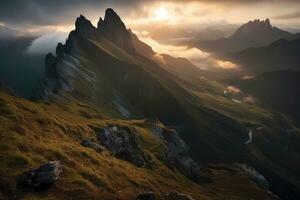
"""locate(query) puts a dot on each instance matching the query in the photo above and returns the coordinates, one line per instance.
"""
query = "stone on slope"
(148, 195)
(123, 144)
(45, 174)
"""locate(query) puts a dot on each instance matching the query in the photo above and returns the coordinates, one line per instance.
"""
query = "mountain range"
(283, 54)
(255, 33)
(123, 120)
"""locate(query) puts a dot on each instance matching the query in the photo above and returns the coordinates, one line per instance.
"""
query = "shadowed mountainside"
(252, 34)
(102, 68)
(280, 55)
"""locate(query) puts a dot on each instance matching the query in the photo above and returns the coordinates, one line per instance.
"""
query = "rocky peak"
(267, 21)
(100, 22)
(255, 26)
(113, 28)
(112, 19)
(84, 27)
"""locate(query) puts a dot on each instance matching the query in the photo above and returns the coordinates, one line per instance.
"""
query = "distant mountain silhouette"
(282, 54)
(252, 34)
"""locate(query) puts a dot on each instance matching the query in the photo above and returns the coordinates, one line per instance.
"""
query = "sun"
(161, 13)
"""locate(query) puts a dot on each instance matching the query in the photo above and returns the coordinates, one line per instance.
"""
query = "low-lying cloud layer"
(199, 58)
(46, 43)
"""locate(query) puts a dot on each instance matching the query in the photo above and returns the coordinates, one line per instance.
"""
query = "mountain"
(280, 55)
(278, 89)
(180, 67)
(255, 33)
(99, 86)
(94, 157)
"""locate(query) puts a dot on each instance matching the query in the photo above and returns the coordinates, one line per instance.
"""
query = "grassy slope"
(222, 125)
(33, 133)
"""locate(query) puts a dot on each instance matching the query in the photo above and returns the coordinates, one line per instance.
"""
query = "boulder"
(90, 144)
(148, 195)
(45, 174)
(122, 142)
(174, 195)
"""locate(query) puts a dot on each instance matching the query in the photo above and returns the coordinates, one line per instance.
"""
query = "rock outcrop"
(123, 144)
(148, 195)
(177, 152)
(91, 144)
(255, 176)
(45, 174)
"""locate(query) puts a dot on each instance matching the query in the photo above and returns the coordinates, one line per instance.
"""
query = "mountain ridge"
(280, 55)
(93, 69)
(252, 34)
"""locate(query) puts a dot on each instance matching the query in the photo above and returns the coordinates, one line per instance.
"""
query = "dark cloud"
(22, 13)
(53, 12)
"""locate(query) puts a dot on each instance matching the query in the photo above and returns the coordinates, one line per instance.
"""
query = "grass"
(37, 132)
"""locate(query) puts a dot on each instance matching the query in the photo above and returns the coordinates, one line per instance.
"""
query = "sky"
(160, 23)
(59, 15)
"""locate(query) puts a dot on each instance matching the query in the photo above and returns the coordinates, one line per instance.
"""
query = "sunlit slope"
(120, 82)
(33, 133)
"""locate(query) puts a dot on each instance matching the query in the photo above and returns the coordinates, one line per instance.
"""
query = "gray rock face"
(123, 144)
(256, 177)
(90, 144)
(45, 174)
(176, 155)
(114, 29)
(174, 195)
(148, 195)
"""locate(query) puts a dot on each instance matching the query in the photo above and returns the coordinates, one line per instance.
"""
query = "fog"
(46, 43)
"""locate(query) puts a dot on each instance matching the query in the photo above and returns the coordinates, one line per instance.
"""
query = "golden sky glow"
(206, 12)
(181, 19)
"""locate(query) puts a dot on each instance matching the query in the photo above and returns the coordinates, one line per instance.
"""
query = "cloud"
(46, 43)
(54, 12)
(199, 58)
(292, 15)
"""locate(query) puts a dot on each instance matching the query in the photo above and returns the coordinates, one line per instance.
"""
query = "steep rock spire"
(84, 27)
(113, 28)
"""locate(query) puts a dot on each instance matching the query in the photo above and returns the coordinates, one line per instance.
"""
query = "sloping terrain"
(280, 55)
(33, 133)
(101, 67)
(278, 89)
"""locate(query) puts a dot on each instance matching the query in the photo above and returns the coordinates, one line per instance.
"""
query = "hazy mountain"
(282, 54)
(252, 34)
(180, 67)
